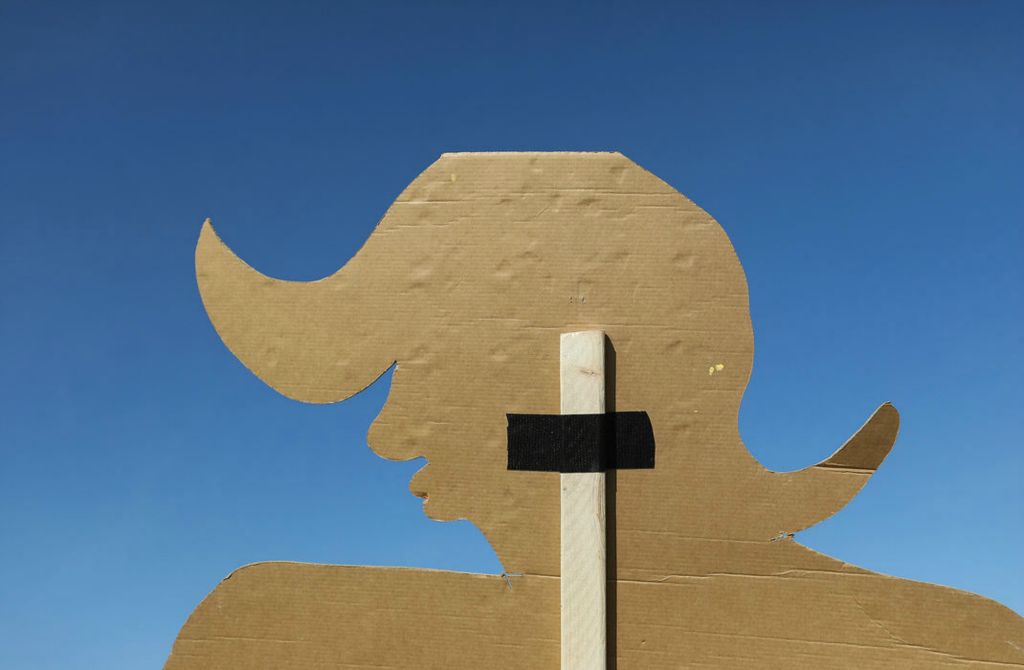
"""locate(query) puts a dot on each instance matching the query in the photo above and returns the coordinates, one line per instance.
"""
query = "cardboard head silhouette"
(465, 286)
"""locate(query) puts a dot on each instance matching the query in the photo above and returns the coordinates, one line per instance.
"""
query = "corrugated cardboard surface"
(466, 284)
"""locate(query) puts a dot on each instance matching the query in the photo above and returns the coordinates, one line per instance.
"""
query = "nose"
(392, 437)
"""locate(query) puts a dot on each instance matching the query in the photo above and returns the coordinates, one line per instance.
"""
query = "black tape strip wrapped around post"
(580, 442)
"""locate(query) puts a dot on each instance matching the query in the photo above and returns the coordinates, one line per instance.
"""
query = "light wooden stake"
(583, 524)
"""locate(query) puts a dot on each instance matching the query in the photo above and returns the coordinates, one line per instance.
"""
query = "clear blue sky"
(865, 158)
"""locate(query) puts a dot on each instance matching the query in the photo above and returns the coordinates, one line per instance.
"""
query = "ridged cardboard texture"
(465, 286)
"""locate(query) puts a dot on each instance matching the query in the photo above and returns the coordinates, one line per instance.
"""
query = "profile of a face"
(465, 286)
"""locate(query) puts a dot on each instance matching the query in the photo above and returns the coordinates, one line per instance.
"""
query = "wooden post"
(583, 571)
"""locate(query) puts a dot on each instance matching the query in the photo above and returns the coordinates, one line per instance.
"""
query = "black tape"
(580, 442)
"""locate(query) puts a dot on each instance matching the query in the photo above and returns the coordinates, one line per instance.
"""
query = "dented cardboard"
(465, 286)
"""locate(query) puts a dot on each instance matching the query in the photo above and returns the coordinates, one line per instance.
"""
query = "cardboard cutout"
(465, 285)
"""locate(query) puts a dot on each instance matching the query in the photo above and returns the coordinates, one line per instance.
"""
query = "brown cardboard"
(466, 284)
